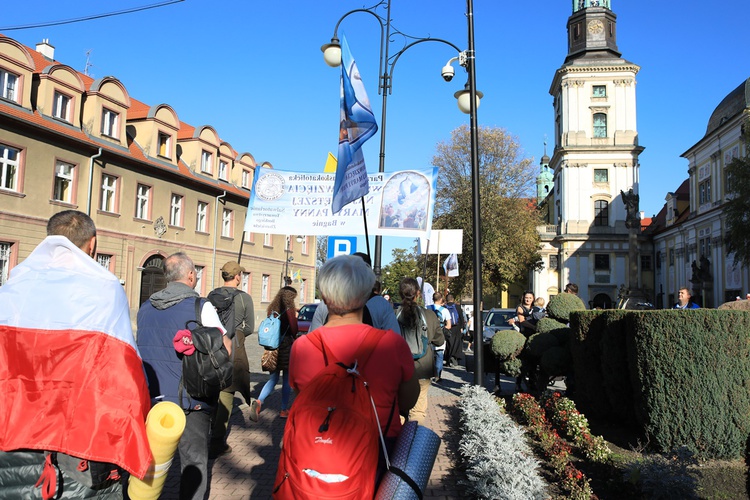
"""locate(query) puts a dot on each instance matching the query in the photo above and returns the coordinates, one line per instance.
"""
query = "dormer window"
(61, 106)
(223, 167)
(8, 83)
(164, 145)
(206, 161)
(110, 123)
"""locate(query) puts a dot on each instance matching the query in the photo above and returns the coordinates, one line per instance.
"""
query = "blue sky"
(254, 71)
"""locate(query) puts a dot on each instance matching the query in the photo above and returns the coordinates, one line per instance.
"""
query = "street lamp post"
(286, 280)
(332, 56)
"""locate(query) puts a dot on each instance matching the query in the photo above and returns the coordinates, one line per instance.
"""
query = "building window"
(110, 123)
(245, 285)
(554, 262)
(601, 213)
(646, 264)
(601, 175)
(227, 216)
(104, 260)
(9, 167)
(64, 182)
(704, 192)
(303, 245)
(109, 194)
(164, 145)
(202, 217)
(599, 91)
(246, 179)
(600, 125)
(704, 245)
(142, 196)
(658, 260)
(5, 249)
(206, 160)
(198, 279)
(223, 170)
(175, 210)
(671, 256)
(61, 106)
(601, 262)
(249, 237)
(267, 240)
(265, 289)
(8, 84)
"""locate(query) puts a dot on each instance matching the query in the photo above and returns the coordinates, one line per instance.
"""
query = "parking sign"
(341, 245)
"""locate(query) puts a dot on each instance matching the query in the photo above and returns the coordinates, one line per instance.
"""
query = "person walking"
(283, 304)
(415, 318)
(444, 318)
(163, 314)
(243, 315)
(685, 300)
(59, 311)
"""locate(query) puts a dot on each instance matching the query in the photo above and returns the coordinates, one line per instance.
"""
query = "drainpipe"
(216, 229)
(91, 180)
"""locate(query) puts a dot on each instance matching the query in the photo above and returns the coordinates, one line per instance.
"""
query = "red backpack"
(330, 445)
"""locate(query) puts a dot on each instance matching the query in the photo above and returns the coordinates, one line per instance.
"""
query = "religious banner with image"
(284, 202)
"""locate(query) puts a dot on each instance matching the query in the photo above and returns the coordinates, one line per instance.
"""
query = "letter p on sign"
(341, 245)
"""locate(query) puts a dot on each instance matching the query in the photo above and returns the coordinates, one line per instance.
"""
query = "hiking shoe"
(218, 450)
(255, 409)
(284, 413)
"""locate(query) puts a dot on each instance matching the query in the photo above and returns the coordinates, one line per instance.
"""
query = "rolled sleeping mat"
(164, 427)
(414, 454)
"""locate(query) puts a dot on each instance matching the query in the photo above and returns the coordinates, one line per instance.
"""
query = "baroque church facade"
(588, 189)
(594, 167)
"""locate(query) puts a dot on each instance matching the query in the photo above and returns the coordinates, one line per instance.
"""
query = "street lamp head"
(300, 239)
(332, 53)
(464, 99)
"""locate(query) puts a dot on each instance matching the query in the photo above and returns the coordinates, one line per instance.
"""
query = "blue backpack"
(269, 331)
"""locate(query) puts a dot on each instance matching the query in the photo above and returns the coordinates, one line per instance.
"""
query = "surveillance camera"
(448, 73)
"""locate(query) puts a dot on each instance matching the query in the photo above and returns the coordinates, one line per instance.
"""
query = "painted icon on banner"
(406, 201)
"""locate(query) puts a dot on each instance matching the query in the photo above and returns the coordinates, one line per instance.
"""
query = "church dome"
(733, 104)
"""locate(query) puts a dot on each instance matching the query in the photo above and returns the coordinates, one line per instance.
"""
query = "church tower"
(595, 161)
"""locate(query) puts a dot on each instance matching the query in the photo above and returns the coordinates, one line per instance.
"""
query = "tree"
(509, 239)
(404, 264)
(737, 208)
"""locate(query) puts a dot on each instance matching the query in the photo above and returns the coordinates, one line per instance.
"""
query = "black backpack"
(415, 334)
(223, 300)
(207, 371)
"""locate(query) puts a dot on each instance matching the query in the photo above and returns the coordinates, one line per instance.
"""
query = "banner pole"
(367, 237)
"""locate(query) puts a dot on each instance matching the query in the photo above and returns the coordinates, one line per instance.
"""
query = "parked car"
(494, 320)
(304, 317)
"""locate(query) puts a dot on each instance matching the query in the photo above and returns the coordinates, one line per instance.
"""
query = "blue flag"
(357, 125)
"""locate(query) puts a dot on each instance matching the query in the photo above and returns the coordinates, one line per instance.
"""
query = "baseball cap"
(232, 268)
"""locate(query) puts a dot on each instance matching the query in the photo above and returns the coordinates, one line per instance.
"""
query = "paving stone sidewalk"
(248, 472)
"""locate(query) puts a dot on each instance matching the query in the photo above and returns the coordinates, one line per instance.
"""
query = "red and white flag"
(71, 377)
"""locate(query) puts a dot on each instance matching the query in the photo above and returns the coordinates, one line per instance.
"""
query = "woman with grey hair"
(345, 283)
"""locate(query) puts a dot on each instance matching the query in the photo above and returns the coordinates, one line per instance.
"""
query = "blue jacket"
(156, 331)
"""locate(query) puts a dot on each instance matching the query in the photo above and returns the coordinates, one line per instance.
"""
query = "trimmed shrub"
(588, 328)
(507, 344)
(561, 305)
(555, 361)
(511, 367)
(561, 331)
(540, 342)
(693, 372)
(615, 366)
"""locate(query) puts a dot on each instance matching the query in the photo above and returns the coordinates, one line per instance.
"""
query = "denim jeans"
(286, 389)
(439, 355)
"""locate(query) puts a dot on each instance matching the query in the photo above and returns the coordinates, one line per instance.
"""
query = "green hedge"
(588, 328)
(560, 306)
(507, 344)
(693, 379)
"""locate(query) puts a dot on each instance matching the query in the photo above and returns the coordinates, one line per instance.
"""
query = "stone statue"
(631, 199)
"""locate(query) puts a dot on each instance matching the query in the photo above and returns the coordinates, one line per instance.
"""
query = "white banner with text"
(398, 204)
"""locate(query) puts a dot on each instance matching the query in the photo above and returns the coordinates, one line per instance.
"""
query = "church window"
(601, 213)
(601, 262)
(600, 125)
(704, 192)
(601, 175)
(599, 91)
(553, 262)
